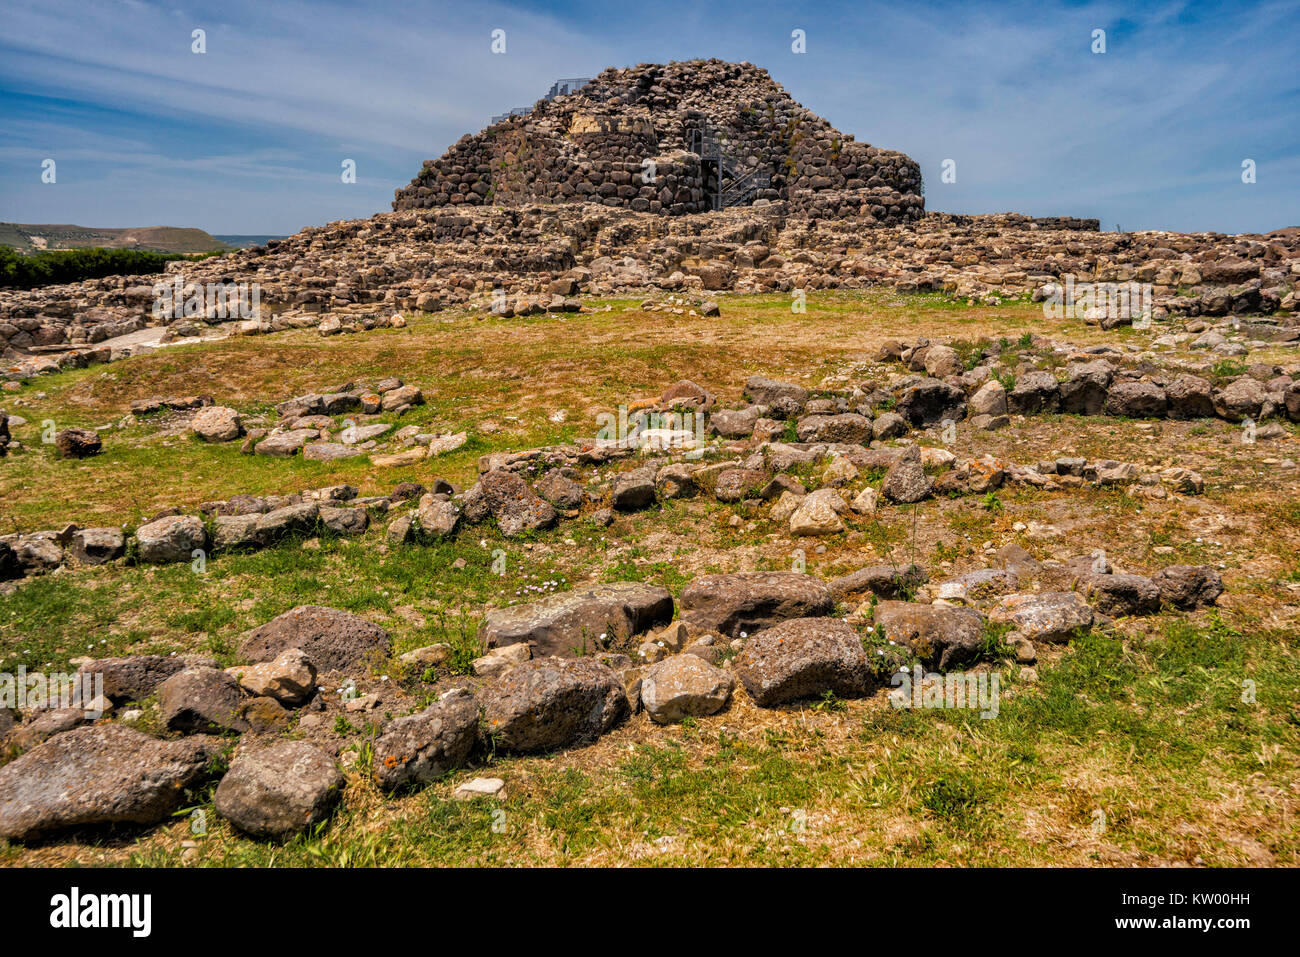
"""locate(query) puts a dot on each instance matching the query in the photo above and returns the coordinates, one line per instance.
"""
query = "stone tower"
(673, 139)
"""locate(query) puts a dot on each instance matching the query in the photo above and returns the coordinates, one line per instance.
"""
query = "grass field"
(1172, 740)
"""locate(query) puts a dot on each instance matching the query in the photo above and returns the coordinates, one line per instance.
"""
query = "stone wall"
(593, 146)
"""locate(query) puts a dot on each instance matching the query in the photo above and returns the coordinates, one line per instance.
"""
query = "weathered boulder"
(1034, 392)
(751, 601)
(978, 584)
(848, 428)
(334, 640)
(202, 700)
(687, 396)
(942, 362)
(235, 531)
(357, 434)
(95, 775)
(928, 402)
(285, 444)
(36, 554)
(803, 658)
(1049, 616)
(171, 539)
(1241, 399)
(990, 399)
(684, 686)
(941, 636)
(1085, 388)
(280, 523)
(906, 480)
(560, 490)
(819, 514)
(569, 622)
(676, 480)
(883, 581)
(552, 703)
(1136, 400)
(1117, 595)
(279, 790)
(630, 491)
(133, 677)
(422, 747)
(889, 425)
(290, 679)
(95, 546)
(735, 423)
(217, 423)
(1291, 401)
(1189, 397)
(437, 516)
(764, 391)
(500, 660)
(515, 506)
(77, 443)
(401, 397)
(1188, 587)
(344, 521)
(329, 452)
(735, 485)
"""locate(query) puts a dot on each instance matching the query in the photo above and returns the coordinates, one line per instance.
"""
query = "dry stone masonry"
(631, 139)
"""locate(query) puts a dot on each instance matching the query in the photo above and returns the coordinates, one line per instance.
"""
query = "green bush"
(73, 265)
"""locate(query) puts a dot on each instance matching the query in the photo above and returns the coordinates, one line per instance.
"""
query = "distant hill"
(30, 238)
(244, 242)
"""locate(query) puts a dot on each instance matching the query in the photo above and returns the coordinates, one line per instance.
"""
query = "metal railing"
(735, 185)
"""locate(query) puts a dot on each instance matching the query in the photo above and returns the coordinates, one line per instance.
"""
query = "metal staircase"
(735, 185)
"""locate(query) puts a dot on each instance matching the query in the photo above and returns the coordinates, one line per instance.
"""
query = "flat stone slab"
(356, 434)
(751, 601)
(96, 775)
(566, 623)
(285, 444)
(333, 640)
(480, 788)
(329, 451)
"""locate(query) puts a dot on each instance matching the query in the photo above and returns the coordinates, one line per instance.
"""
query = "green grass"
(1181, 729)
(864, 784)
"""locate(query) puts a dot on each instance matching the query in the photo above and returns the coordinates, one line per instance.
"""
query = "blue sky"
(249, 137)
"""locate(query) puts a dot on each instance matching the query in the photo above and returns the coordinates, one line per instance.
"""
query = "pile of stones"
(426, 261)
(1094, 381)
(847, 438)
(552, 678)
